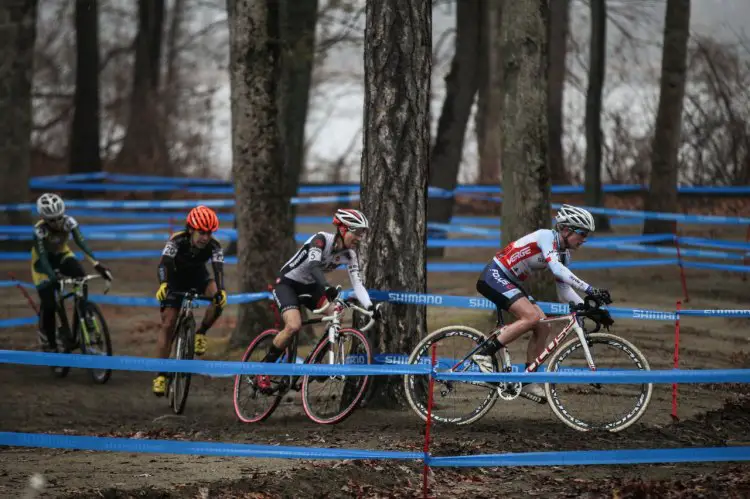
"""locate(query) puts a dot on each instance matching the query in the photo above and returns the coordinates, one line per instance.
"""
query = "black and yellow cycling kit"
(183, 266)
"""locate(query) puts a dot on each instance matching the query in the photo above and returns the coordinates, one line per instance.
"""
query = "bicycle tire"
(352, 403)
(413, 382)
(622, 423)
(99, 376)
(274, 399)
(185, 350)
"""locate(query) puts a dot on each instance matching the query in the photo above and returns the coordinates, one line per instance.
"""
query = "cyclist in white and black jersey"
(302, 279)
(500, 282)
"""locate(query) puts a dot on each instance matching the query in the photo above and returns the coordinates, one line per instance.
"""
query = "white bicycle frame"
(334, 325)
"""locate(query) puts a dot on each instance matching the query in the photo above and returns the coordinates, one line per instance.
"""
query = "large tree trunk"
(526, 174)
(490, 93)
(144, 148)
(257, 156)
(597, 60)
(558, 39)
(395, 166)
(461, 87)
(18, 32)
(298, 19)
(84, 153)
(662, 193)
(298, 32)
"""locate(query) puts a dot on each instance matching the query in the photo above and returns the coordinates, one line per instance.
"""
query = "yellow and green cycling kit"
(51, 247)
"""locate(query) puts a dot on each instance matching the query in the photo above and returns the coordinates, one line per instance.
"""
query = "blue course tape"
(140, 445)
(715, 243)
(674, 217)
(598, 457)
(667, 251)
(609, 376)
(21, 321)
(211, 203)
(716, 266)
(127, 363)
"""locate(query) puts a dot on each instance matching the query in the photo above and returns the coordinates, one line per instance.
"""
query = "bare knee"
(292, 321)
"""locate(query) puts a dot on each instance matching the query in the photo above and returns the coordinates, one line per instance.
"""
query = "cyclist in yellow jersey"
(51, 257)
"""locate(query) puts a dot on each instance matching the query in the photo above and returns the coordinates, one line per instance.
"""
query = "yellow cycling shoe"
(201, 344)
(159, 386)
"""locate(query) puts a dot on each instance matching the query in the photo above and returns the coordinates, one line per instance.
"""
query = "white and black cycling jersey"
(317, 256)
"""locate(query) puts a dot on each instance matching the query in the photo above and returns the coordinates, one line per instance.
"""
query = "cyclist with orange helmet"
(183, 267)
(302, 281)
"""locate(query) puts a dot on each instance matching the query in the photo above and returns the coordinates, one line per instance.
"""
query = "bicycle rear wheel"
(94, 338)
(603, 407)
(331, 399)
(454, 402)
(251, 404)
(184, 346)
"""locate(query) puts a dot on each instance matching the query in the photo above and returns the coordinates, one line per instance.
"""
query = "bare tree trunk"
(298, 32)
(597, 61)
(171, 90)
(18, 32)
(144, 147)
(662, 193)
(84, 154)
(257, 156)
(395, 166)
(526, 173)
(298, 19)
(461, 87)
(559, 11)
(490, 93)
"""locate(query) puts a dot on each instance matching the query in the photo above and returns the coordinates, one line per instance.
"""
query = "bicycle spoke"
(330, 399)
(617, 405)
(453, 401)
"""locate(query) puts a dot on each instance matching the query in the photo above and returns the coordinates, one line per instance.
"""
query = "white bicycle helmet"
(50, 206)
(575, 218)
(351, 219)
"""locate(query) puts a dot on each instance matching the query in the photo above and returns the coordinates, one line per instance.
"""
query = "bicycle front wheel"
(331, 399)
(184, 349)
(599, 407)
(454, 402)
(93, 334)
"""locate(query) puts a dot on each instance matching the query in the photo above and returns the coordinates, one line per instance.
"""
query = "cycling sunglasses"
(581, 232)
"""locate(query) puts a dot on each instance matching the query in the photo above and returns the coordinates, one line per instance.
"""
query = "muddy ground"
(710, 415)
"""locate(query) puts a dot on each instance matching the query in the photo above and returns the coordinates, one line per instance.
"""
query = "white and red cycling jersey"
(538, 251)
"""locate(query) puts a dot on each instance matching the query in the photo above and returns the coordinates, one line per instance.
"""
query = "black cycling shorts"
(289, 295)
(495, 285)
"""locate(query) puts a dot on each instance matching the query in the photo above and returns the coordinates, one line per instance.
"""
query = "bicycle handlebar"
(345, 305)
(591, 308)
(191, 295)
(75, 281)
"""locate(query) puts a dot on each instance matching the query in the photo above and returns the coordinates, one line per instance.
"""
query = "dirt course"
(710, 415)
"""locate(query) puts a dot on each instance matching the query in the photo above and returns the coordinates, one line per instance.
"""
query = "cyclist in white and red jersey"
(500, 282)
(301, 280)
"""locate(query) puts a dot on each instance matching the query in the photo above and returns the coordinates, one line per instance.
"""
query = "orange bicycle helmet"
(203, 218)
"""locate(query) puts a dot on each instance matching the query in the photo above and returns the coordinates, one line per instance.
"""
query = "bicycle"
(338, 345)
(183, 347)
(575, 411)
(89, 333)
